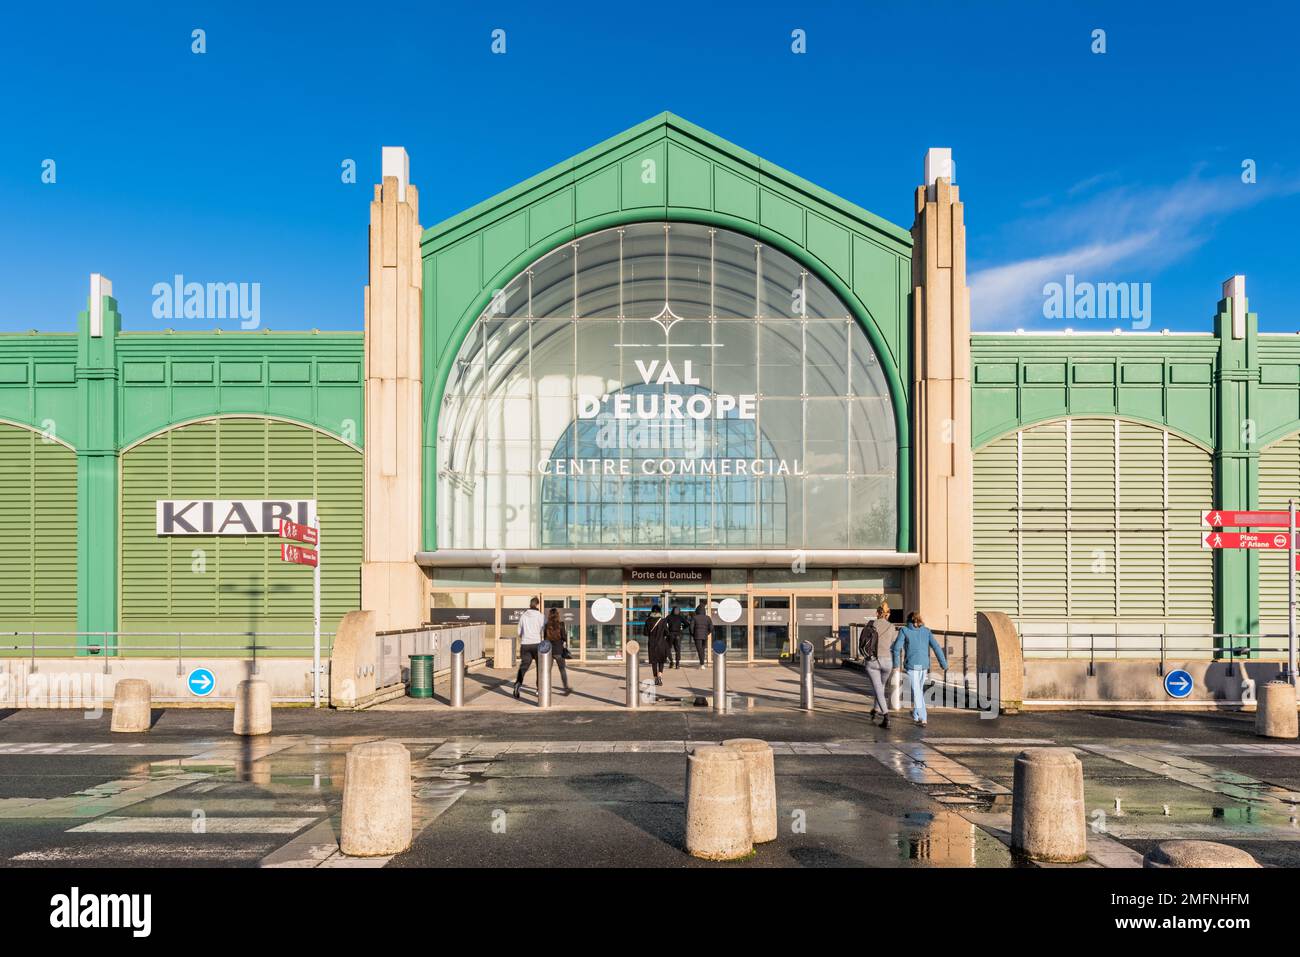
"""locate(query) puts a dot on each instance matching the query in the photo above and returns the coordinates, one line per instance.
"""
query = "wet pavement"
(507, 789)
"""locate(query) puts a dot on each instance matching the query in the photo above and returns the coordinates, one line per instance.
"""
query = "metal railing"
(394, 649)
(116, 645)
(1160, 646)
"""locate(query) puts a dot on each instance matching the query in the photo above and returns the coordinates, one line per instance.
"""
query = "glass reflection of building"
(597, 318)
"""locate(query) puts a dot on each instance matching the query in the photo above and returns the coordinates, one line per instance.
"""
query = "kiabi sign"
(242, 516)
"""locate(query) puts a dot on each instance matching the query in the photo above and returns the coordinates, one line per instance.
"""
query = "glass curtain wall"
(666, 385)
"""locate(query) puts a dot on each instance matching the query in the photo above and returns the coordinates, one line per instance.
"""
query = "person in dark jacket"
(701, 629)
(676, 625)
(558, 635)
(656, 637)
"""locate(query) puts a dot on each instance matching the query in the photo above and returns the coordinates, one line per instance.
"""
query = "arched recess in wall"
(208, 583)
(536, 379)
(38, 531)
(1279, 482)
(1094, 520)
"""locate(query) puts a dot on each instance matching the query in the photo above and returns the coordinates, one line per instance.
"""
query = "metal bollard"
(458, 674)
(806, 675)
(544, 675)
(719, 676)
(633, 676)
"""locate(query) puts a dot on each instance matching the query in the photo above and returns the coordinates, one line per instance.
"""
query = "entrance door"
(813, 623)
(733, 627)
(639, 605)
(604, 637)
(771, 626)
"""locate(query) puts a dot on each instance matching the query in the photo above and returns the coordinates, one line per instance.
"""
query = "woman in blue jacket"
(913, 645)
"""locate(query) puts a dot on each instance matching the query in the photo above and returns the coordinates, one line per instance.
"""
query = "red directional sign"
(1246, 540)
(1220, 518)
(299, 533)
(297, 554)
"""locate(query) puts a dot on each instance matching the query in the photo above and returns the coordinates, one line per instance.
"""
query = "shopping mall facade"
(662, 371)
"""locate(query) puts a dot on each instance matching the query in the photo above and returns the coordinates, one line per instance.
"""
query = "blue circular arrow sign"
(1178, 683)
(201, 682)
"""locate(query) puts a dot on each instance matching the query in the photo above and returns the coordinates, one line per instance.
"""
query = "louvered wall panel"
(1279, 482)
(1191, 567)
(1092, 518)
(1108, 528)
(38, 533)
(1044, 558)
(1143, 534)
(997, 574)
(238, 583)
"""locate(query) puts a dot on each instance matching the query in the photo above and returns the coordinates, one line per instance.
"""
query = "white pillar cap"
(397, 163)
(938, 164)
(100, 286)
(1234, 290)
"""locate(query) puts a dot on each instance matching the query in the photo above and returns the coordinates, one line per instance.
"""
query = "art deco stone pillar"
(943, 585)
(392, 585)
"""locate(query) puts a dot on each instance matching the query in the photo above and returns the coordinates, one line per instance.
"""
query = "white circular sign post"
(602, 609)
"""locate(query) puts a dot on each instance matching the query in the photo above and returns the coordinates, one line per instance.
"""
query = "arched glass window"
(663, 385)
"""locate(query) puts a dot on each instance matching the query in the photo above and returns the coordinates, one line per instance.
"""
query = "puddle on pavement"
(945, 839)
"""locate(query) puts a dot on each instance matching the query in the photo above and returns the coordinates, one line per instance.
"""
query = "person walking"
(913, 645)
(676, 625)
(701, 629)
(876, 637)
(558, 635)
(531, 625)
(656, 635)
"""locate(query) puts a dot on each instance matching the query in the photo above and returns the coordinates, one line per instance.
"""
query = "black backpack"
(869, 643)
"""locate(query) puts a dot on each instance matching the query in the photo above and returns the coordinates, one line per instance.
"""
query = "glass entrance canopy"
(666, 385)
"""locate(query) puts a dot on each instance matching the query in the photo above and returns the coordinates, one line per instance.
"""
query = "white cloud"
(1126, 228)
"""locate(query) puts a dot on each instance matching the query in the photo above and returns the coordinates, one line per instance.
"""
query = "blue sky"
(1121, 167)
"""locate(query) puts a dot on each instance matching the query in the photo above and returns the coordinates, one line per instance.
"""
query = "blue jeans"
(916, 676)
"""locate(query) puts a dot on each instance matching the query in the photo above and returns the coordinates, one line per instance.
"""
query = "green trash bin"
(421, 685)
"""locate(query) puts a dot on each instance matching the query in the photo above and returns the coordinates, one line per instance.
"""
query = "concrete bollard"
(1047, 812)
(1172, 854)
(253, 707)
(131, 705)
(761, 767)
(806, 675)
(633, 673)
(719, 822)
(376, 800)
(1275, 714)
(719, 676)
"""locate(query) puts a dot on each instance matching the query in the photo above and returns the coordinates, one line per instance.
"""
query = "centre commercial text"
(669, 406)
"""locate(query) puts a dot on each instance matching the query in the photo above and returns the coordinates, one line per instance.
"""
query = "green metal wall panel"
(38, 534)
(1093, 520)
(237, 583)
(1279, 482)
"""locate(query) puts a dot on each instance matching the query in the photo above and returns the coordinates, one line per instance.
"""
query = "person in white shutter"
(531, 625)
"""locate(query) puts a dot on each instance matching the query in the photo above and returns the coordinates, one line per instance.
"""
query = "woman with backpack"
(913, 645)
(558, 635)
(877, 636)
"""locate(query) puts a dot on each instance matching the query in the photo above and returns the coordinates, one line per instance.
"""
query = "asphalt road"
(512, 790)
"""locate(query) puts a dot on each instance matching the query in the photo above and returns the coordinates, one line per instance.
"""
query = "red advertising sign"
(1246, 540)
(297, 554)
(1219, 518)
(299, 533)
